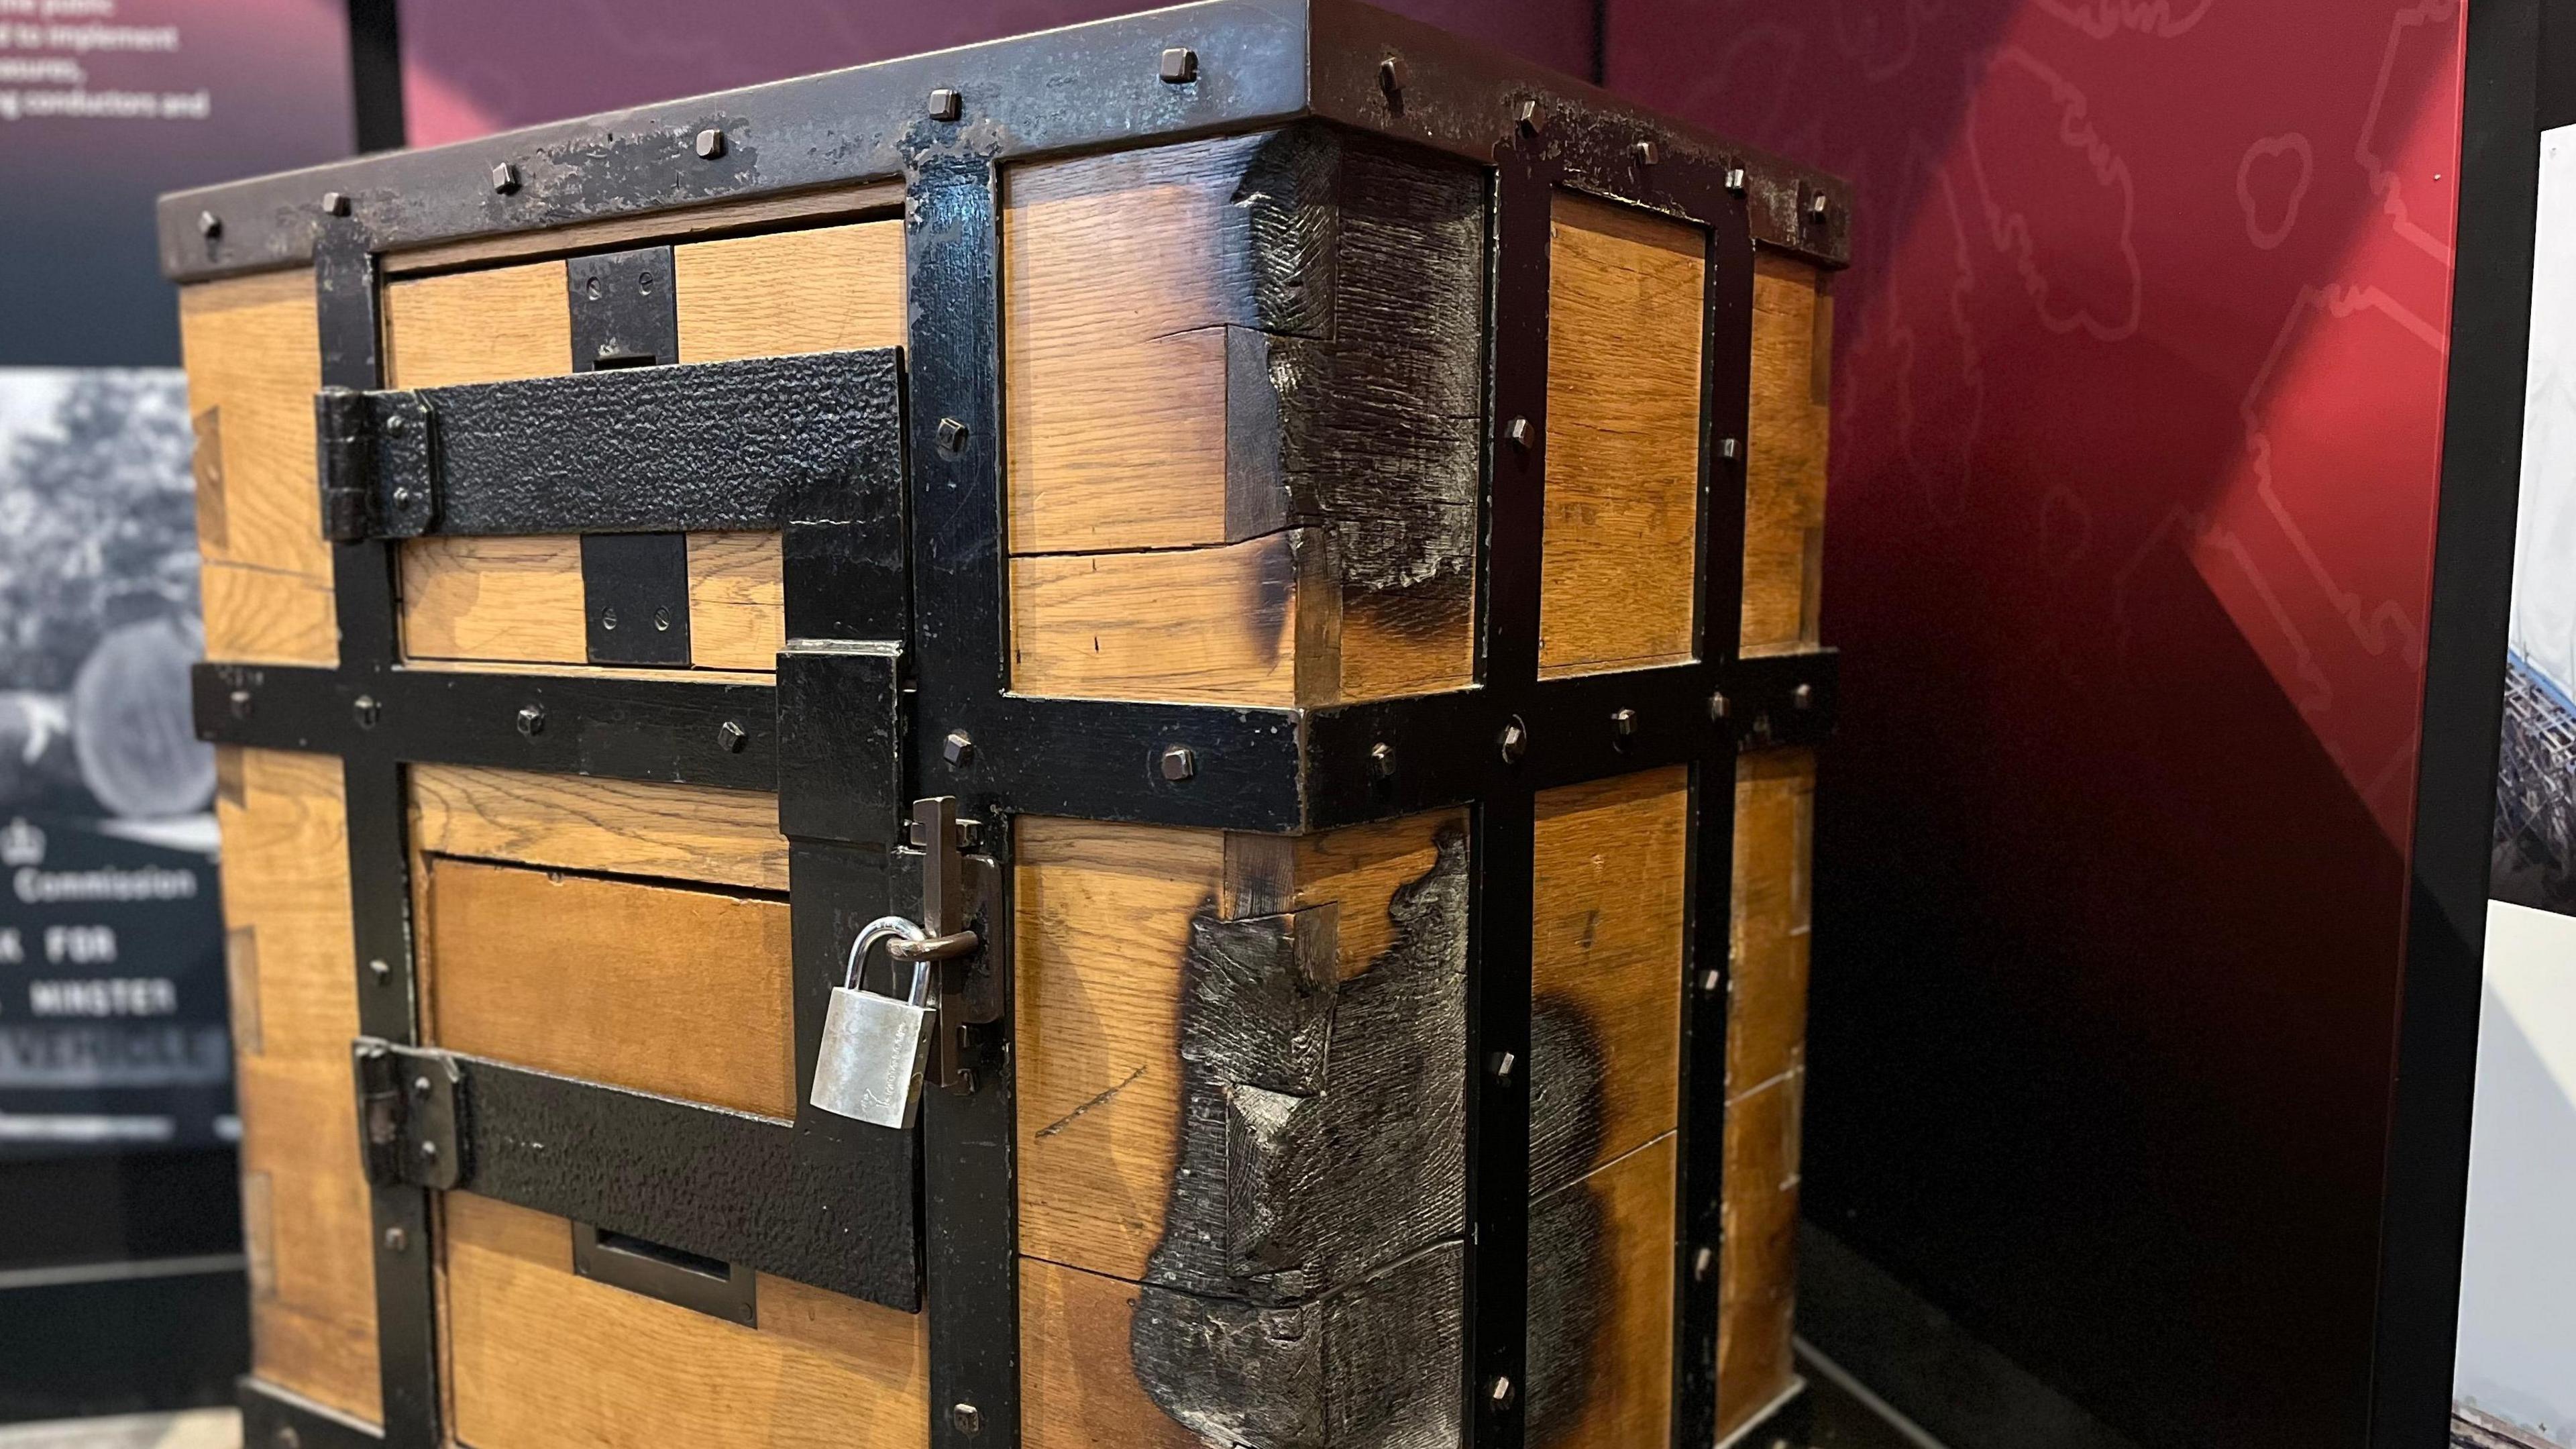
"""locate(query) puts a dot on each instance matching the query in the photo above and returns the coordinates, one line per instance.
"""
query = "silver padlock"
(876, 1048)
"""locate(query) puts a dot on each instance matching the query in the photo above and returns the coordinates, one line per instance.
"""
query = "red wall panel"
(2137, 420)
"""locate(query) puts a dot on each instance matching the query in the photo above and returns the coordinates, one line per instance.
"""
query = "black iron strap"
(698, 446)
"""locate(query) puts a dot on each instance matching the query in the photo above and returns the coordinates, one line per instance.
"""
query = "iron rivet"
(1180, 65)
(1735, 179)
(711, 144)
(532, 719)
(397, 424)
(1518, 433)
(381, 971)
(1717, 706)
(420, 1086)
(505, 178)
(396, 1240)
(1179, 762)
(1821, 206)
(1804, 696)
(1623, 726)
(241, 703)
(1503, 1063)
(1500, 1392)
(1710, 980)
(209, 225)
(1701, 1262)
(662, 620)
(402, 498)
(952, 436)
(967, 1418)
(608, 619)
(1727, 448)
(287, 1438)
(335, 203)
(958, 748)
(1649, 153)
(946, 105)
(1531, 117)
(1382, 761)
(428, 1151)
(732, 736)
(1391, 75)
(1515, 741)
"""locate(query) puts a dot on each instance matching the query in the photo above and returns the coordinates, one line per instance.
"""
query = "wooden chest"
(1287, 540)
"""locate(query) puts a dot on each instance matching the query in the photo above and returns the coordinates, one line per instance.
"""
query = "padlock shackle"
(877, 932)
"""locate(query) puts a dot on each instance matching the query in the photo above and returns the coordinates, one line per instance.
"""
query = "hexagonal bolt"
(335, 203)
(608, 619)
(662, 621)
(380, 971)
(420, 1086)
(1514, 741)
(952, 436)
(1820, 206)
(1711, 980)
(967, 1418)
(240, 701)
(1649, 152)
(1502, 1065)
(1735, 179)
(1180, 65)
(1381, 761)
(505, 178)
(1178, 763)
(1499, 1392)
(1520, 434)
(1804, 696)
(732, 736)
(1702, 1260)
(946, 105)
(287, 1438)
(958, 748)
(532, 719)
(1718, 708)
(366, 711)
(1530, 116)
(710, 144)
(396, 1240)
(1729, 449)
(209, 225)
(1623, 727)
(429, 1152)
(1392, 73)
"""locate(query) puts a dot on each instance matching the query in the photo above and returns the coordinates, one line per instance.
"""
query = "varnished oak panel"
(685, 993)
(253, 352)
(1617, 575)
(1624, 1299)
(1775, 801)
(1223, 625)
(1757, 1262)
(1784, 470)
(678, 227)
(540, 1358)
(494, 325)
(291, 956)
(1077, 1390)
(737, 601)
(508, 600)
(818, 289)
(622, 827)
(1612, 871)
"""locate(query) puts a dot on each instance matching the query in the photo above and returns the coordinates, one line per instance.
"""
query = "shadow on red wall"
(2138, 409)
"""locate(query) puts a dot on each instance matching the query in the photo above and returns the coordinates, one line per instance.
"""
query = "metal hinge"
(377, 464)
(411, 1113)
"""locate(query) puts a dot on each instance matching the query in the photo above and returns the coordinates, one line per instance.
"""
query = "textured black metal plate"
(275, 1418)
(635, 598)
(700, 446)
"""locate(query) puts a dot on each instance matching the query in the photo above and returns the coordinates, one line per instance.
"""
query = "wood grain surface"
(621, 827)
(815, 289)
(1784, 466)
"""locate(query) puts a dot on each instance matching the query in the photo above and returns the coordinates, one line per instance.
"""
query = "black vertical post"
(375, 73)
(2424, 1195)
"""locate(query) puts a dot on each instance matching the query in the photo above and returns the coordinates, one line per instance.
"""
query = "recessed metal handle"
(729, 1291)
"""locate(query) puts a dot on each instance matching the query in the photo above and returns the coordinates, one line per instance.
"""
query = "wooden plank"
(1601, 1306)
(493, 325)
(1757, 1261)
(737, 601)
(819, 289)
(285, 889)
(1609, 896)
(1766, 1026)
(681, 992)
(1784, 473)
(254, 357)
(645, 228)
(503, 600)
(1223, 625)
(541, 1358)
(1077, 1390)
(1617, 573)
(574, 822)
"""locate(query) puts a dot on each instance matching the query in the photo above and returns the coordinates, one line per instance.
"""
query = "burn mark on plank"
(1570, 1279)
(1307, 1288)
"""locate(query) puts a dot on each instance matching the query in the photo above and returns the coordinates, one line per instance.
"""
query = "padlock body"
(874, 1051)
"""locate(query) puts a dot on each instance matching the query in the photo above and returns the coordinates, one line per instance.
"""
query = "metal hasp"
(410, 1115)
